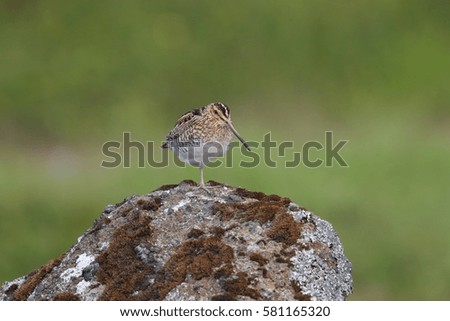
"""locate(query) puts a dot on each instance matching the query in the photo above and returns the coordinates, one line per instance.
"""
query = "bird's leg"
(208, 189)
(202, 182)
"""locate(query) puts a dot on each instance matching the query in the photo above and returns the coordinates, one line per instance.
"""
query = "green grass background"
(76, 74)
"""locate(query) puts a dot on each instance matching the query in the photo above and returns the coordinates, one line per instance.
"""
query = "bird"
(201, 135)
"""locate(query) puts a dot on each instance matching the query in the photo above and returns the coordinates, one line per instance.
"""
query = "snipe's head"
(221, 112)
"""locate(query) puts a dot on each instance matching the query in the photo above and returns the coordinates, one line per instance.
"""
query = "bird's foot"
(205, 188)
(208, 188)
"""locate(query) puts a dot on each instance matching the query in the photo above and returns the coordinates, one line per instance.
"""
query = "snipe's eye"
(223, 110)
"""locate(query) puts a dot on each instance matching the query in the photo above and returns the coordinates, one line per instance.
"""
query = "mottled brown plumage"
(201, 135)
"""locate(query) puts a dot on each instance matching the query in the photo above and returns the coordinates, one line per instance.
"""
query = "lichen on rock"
(183, 243)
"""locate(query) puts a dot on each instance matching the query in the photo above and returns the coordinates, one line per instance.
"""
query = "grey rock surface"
(183, 243)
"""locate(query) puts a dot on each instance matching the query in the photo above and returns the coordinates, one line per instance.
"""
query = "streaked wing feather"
(188, 116)
(186, 120)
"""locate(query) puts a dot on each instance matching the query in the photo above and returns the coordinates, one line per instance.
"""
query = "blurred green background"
(75, 74)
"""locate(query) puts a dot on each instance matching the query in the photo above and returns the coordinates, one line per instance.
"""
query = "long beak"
(238, 136)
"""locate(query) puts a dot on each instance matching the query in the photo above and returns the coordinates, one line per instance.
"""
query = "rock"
(182, 243)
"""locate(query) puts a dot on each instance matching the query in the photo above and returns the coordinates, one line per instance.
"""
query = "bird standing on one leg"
(201, 135)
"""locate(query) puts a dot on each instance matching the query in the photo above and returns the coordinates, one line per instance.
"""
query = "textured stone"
(183, 243)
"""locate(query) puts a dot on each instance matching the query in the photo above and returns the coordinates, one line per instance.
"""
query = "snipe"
(202, 135)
